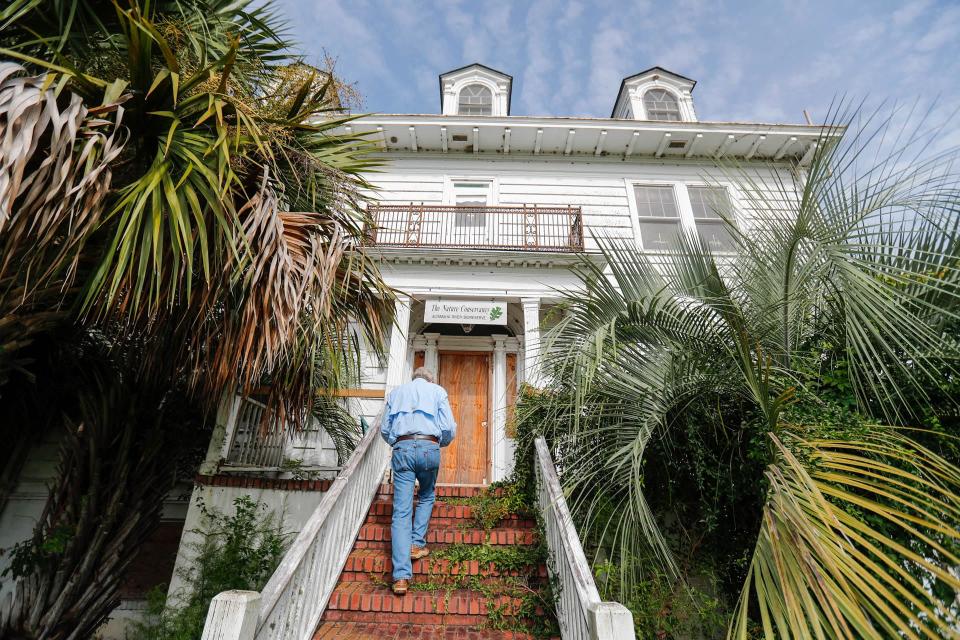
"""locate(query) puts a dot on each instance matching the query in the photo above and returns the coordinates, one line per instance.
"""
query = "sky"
(753, 61)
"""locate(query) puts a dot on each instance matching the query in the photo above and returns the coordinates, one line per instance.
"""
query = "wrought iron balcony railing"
(525, 228)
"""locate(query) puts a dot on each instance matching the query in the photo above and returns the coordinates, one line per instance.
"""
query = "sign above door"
(465, 311)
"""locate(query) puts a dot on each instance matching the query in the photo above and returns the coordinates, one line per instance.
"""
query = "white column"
(499, 433)
(223, 433)
(531, 341)
(397, 362)
(431, 357)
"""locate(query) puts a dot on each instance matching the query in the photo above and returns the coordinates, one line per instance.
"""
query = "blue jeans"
(413, 460)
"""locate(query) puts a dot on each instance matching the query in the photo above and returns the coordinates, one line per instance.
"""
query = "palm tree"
(194, 186)
(171, 191)
(852, 276)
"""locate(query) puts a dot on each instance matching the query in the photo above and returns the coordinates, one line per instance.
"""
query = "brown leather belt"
(419, 436)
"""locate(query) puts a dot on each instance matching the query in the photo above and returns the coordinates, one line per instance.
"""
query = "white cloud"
(762, 61)
(910, 12)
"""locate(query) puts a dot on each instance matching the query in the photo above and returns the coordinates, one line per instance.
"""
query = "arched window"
(660, 104)
(475, 100)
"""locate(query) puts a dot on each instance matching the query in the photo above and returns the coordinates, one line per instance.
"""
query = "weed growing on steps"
(517, 597)
(497, 503)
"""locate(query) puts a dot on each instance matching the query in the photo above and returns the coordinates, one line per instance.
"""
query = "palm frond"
(822, 569)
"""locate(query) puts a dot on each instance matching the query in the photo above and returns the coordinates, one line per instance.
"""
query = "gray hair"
(423, 372)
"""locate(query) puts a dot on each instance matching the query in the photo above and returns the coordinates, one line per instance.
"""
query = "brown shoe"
(400, 587)
(418, 552)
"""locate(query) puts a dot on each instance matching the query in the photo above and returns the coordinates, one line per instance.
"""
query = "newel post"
(611, 621)
(232, 616)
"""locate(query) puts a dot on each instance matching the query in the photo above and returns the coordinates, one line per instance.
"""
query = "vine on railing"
(579, 608)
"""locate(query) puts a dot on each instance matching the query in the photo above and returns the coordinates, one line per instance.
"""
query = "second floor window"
(475, 100)
(710, 206)
(471, 198)
(659, 217)
(660, 104)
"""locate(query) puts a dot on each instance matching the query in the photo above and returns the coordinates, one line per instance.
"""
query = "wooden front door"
(466, 377)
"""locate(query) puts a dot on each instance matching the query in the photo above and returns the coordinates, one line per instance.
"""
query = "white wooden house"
(476, 205)
(478, 216)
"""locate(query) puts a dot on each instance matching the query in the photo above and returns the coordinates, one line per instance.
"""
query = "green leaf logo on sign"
(496, 312)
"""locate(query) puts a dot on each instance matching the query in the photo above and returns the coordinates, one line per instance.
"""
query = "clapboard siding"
(602, 188)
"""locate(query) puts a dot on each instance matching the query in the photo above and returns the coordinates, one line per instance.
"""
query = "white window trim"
(683, 96)
(676, 98)
(683, 207)
(493, 185)
(453, 88)
(688, 223)
(735, 208)
(493, 97)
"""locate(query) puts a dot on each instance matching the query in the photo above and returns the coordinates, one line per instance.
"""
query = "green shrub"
(662, 607)
(238, 552)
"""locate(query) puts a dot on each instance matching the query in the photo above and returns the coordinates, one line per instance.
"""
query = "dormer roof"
(456, 78)
(680, 85)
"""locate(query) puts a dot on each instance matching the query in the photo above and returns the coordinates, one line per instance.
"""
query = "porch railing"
(527, 228)
(246, 443)
(295, 597)
(579, 609)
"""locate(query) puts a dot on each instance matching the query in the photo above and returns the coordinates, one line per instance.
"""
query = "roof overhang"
(592, 137)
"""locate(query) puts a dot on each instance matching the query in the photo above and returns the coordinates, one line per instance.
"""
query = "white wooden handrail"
(294, 599)
(579, 609)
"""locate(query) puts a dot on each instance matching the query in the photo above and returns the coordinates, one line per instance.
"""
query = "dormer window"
(475, 90)
(475, 100)
(656, 94)
(660, 104)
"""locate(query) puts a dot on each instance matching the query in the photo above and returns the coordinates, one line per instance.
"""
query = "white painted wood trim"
(498, 432)
(431, 352)
(397, 362)
(611, 620)
(579, 609)
(297, 593)
(531, 341)
(232, 616)
(221, 440)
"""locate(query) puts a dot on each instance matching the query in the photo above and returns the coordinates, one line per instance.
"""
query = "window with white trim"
(660, 104)
(710, 206)
(471, 197)
(659, 217)
(475, 100)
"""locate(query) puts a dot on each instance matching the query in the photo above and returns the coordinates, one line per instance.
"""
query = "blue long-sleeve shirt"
(418, 407)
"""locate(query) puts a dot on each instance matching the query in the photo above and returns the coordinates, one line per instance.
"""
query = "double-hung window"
(471, 198)
(710, 206)
(659, 217)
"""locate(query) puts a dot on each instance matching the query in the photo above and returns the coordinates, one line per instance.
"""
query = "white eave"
(611, 138)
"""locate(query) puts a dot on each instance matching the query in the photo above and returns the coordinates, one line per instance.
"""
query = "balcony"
(523, 228)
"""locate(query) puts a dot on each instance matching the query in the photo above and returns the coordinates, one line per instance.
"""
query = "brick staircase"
(456, 593)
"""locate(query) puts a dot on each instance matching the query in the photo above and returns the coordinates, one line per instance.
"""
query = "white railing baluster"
(580, 611)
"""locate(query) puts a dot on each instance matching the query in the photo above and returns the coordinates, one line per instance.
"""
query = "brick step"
(382, 511)
(397, 631)
(441, 522)
(447, 620)
(456, 607)
(446, 491)
(378, 536)
(361, 563)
